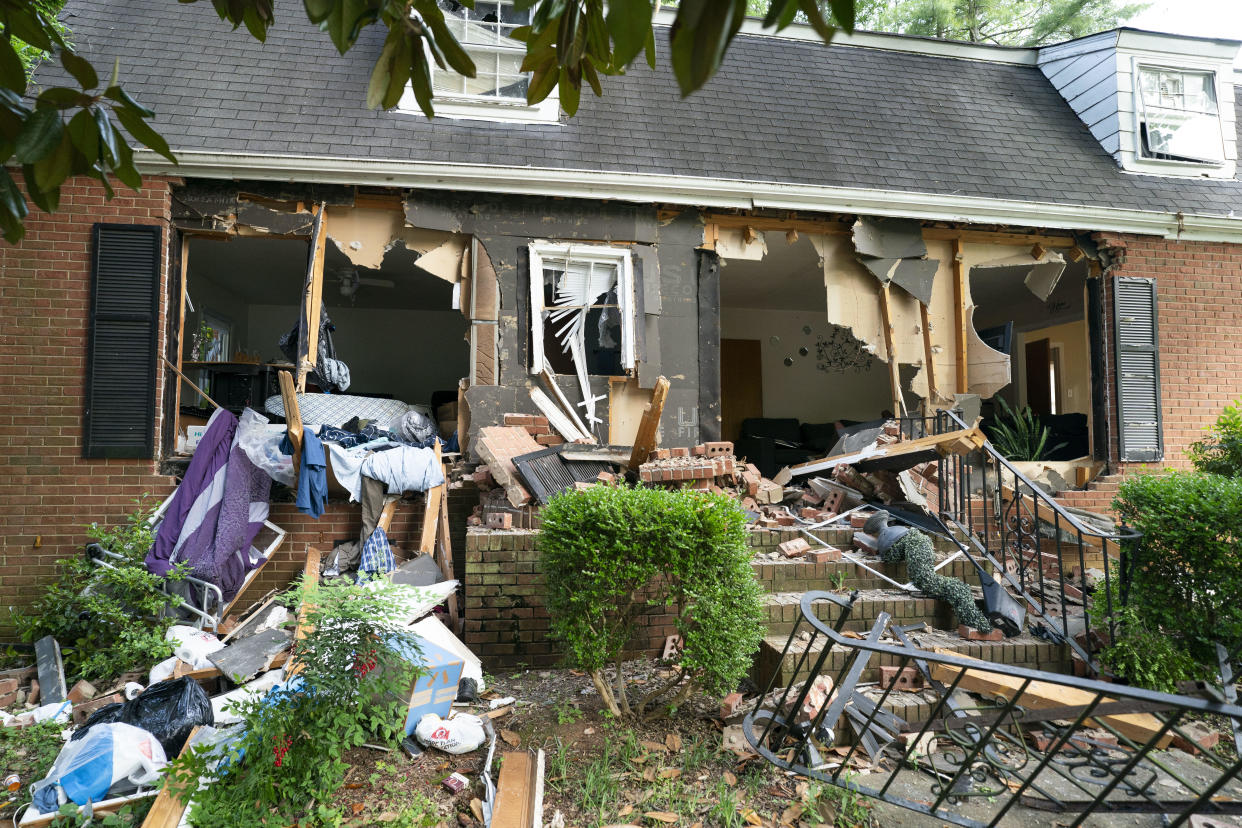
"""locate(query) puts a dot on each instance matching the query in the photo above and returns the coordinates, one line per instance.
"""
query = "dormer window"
(497, 92)
(1178, 116)
(483, 32)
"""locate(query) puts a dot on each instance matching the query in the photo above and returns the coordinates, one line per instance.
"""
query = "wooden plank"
(185, 266)
(515, 792)
(444, 557)
(894, 370)
(261, 612)
(783, 225)
(954, 442)
(431, 512)
(960, 292)
(1042, 694)
(996, 237)
(648, 428)
(167, 809)
(313, 297)
(188, 382)
(304, 627)
(929, 360)
(252, 577)
(293, 419)
(384, 521)
(244, 659)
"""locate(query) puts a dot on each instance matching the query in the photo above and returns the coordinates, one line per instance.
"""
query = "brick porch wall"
(1199, 295)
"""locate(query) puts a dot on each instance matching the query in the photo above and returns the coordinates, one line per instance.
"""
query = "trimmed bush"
(1184, 576)
(611, 552)
(1221, 451)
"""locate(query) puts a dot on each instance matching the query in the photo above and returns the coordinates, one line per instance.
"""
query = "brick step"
(792, 575)
(842, 538)
(1024, 650)
(783, 609)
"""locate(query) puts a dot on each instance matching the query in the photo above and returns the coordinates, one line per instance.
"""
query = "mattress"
(337, 409)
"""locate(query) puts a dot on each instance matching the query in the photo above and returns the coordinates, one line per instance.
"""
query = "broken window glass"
(484, 31)
(1179, 118)
(583, 321)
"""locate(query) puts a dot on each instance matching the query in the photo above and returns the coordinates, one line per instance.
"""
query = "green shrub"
(1221, 451)
(107, 620)
(610, 552)
(1139, 652)
(1185, 573)
(288, 762)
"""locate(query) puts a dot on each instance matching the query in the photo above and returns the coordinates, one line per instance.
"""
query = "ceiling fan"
(351, 282)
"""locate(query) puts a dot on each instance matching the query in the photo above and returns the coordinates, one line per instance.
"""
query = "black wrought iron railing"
(1037, 739)
(1056, 562)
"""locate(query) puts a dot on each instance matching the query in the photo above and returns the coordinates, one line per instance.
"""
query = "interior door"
(1039, 376)
(741, 384)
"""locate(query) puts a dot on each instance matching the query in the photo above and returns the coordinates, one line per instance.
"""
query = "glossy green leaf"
(629, 24)
(84, 133)
(318, 10)
(420, 82)
(81, 69)
(542, 82)
(43, 199)
(521, 34)
(107, 140)
(535, 59)
(547, 11)
(144, 132)
(385, 67)
(822, 27)
(12, 73)
(781, 13)
(12, 208)
(701, 34)
(458, 60)
(54, 168)
(25, 23)
(650, 48)
(592, 77)
(346, 20)
(124, 166)
(570, 92)
(118, 94)
(40, 135)
(843, 11)
(407, 49)
(62, 97)
(255, 25)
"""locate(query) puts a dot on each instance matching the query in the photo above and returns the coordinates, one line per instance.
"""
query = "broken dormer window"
(582, 317)
(1178, 116)
(484, 31)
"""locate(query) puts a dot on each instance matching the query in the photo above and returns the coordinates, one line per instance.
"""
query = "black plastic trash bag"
(168, 710)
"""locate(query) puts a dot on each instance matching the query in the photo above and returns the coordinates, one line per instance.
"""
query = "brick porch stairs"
(785, 581)
(1097, 497)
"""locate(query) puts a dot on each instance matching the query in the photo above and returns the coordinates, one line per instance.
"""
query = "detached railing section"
(1045, 554)
(1026, 737)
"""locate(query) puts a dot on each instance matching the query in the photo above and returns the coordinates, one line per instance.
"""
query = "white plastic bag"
(107, 754)
(193, 645)
(460, 734)
(262, 445)
(161, 671)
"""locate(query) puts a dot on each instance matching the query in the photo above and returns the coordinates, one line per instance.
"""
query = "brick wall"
(1199, 295)
(48, 492)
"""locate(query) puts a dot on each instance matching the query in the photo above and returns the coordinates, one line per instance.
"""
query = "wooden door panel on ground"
(741, 384)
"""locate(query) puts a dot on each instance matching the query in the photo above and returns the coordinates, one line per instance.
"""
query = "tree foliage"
(1220, 452)
(1006, 22)
(611, 553)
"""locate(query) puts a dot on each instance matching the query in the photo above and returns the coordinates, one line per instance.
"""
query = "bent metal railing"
(1031, 539)
(1034, 738)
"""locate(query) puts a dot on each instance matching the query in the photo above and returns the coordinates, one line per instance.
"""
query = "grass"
(29, 752)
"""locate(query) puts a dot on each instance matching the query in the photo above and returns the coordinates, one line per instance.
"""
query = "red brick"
(794, 548)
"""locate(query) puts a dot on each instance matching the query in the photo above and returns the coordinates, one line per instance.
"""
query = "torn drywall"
(1042, 273)
(740, 243)
(894, 251)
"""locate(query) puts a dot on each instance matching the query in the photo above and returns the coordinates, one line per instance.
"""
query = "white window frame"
(603, 254)
(1142, 159)
(464, 106)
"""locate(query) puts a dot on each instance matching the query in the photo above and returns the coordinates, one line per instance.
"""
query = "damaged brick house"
(821, 235)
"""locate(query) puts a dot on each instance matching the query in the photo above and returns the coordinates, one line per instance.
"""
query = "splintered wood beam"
(934, 446)
(1041, 694)
(959, 317)
(185, 253)
(894, 370)
(431, 513)
(444, 558)
(168, 808)
(384, 521)
(293, 419)
(929, 358)
(313, 296)
(304, 627)
(518, 788)
(647, 438)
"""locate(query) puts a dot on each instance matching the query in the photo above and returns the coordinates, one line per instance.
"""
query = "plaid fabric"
(377, 553)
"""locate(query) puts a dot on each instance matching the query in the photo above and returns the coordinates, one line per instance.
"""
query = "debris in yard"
(434, 692)
(735, 741)
(519, 791)
(458, 734)
(168, 710)
(51, 670)
(246, 658)
(88, 768)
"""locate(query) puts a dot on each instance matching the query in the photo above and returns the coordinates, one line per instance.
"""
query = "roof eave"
(691, 191)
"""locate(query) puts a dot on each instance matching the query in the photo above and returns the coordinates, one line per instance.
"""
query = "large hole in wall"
(395, 326)
(1047, 342)
(787, 374)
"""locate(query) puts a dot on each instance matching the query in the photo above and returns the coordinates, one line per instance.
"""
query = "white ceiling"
(788, 278)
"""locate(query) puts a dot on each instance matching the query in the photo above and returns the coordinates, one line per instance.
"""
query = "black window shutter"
(1138, 370)
(121, 353)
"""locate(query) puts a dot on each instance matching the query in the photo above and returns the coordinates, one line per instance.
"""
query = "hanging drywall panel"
(445, 260)
(851, 292)
(740, 243)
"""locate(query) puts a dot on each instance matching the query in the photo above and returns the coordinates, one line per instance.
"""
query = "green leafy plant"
(1221, 451)
(611, 552)
(107, 619)
(1018, 434)
(70, 816)
(29, 752)
(1184, 574)
(840, 806)
(353, 675)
